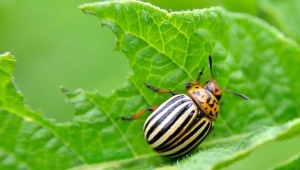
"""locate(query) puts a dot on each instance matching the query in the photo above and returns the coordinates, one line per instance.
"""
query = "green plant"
(166, 49)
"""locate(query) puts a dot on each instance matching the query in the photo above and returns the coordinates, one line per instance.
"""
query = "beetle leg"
(197, 82)
(199, 75)
(188, 85)
(158, 90)
(135, 116)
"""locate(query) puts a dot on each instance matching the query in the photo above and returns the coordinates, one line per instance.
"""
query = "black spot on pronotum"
(218, 97)
(217, 113)
(208, 96)
(215, 108)
(210, 112)
(213, 103)
(197, 93)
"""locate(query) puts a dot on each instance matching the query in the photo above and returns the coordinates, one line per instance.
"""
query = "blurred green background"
(57, 45)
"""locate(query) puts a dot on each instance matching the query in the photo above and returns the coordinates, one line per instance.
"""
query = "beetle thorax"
(205, 100)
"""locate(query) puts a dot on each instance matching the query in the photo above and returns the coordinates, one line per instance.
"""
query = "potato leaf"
(166, 49)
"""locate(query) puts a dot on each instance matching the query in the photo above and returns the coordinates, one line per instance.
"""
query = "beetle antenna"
(210, 66)
(236, 93)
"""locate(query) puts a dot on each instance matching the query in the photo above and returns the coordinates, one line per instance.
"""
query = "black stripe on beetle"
(165, 105)
(165, 115)
(170, 123)
(197, 140)
(191, 140)
(175, 136)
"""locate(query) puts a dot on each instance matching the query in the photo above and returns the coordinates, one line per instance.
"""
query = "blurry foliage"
(56, 45)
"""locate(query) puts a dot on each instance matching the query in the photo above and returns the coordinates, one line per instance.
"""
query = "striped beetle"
(181, 123)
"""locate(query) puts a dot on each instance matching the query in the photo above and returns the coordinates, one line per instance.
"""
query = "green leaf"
(224, 156)
(166, 49)
(292, 163)
(283, 14)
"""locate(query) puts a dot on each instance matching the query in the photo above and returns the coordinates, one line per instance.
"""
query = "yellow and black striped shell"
(177, 126)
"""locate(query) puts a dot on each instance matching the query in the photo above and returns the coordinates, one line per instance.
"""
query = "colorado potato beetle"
(182, 122)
